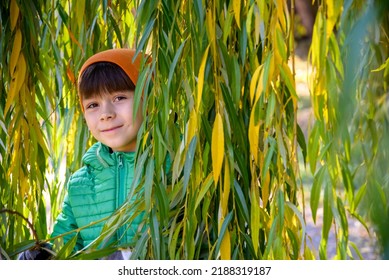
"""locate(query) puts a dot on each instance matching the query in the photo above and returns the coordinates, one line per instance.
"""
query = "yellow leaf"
(279, 42)
(332, 15)
(16, 83)
(281, 14)
(225, 246)
(270, 67)
(255, 216)
(266, 189)
(25, 128)
(217, 147)
(17, 46)
(254, 135)
(40, 137)
(15, 153)
(192, 126)
(144, 142)
(263, 10)
(257, 27)
(237, 5)
(256, 86)
(211, 28)
(383, 66)
(21, 70)
(200, 82)
(14, 11)
(23, 184)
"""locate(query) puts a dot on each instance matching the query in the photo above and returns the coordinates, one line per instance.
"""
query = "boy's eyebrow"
(99, 95)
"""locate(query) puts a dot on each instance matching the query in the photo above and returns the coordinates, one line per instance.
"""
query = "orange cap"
(124, 58)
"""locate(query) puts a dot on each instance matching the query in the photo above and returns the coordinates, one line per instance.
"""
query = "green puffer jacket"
(95, 191)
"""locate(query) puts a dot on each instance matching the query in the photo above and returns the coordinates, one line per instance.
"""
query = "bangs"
(101, 78)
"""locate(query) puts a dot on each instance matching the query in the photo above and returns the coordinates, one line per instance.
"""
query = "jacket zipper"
(121, 194)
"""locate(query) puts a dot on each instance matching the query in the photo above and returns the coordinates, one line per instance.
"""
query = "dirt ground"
(357, 233)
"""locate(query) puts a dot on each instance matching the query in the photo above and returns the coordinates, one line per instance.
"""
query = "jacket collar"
(100, 156)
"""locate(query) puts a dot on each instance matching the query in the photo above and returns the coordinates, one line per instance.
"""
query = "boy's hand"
(37, 253)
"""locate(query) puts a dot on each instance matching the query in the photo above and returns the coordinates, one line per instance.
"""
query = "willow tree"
(42, 136)
(222, 108)
(347, 150)
(218, 160)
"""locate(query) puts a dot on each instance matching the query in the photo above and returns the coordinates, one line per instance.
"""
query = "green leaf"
(313, 147)
(301, 219)
(223, 230)
(67, 249)
(174, 64)
(361, 192)
(327, 211)
(343, 217)
(189, 162)
(204, 189)
(21, 247)
(241, 202)
(146, 34)
(96, 254)
(302, 143)
(272, 236)
(357, 251)
(316, 190)
(270, 109)
(268, 157)
(140, 246)
(163, 203)
(155, 235)
(175, 230)
(294, 240)
(148, 186)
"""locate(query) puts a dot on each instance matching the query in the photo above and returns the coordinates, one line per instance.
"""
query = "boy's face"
(109, 119)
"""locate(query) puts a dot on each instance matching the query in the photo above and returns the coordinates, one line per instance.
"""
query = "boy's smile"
(112, 128)
(109, 119)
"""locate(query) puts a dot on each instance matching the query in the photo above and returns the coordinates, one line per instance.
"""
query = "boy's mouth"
(111, 129)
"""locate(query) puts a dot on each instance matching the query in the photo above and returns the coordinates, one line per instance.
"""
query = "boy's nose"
(107, 112)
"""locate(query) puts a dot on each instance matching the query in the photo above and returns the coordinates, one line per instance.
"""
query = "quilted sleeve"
(66, 222)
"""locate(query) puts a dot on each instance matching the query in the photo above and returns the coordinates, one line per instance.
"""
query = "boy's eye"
(118, 98)
(91, 105)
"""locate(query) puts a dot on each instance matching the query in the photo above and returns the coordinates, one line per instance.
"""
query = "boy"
(106, 90)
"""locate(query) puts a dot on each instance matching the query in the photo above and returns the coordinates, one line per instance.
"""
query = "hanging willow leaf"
(237, 6)
(17, 46)
(256, 85)
(224, 238)
(204, 189)
(255, 222)
(14, 14)
(316, 190)
(67, 249)
(253, 133)
(16, 83)
(192, 126)
(200, 79)
(217, 147)
(333, 13)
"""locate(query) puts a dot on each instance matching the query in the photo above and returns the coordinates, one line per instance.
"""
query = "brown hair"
(103, 77)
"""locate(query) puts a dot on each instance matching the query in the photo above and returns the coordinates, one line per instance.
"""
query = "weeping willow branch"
(30, 225)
